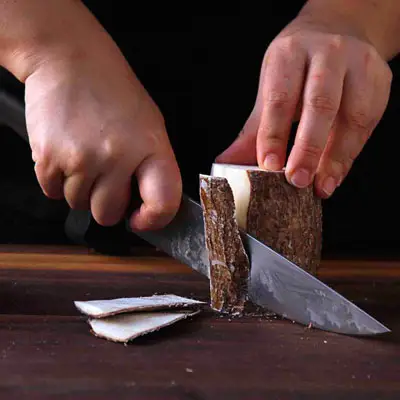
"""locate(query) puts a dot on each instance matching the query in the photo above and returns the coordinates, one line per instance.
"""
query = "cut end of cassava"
(124, 328)
(108, 307)
(229, 264)
(285, 218)
(237, 177)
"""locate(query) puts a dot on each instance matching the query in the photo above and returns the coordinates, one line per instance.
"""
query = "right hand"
(324, 71)
(91, 126)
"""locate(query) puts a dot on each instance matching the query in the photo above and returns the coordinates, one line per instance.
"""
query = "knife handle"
(80, 226)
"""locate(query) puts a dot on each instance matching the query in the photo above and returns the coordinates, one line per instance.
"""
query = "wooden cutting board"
(47, 350)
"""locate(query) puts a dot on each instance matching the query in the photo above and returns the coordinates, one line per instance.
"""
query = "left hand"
(329, 75)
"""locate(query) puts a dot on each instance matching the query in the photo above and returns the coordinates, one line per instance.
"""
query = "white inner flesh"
(122, 328)
(239, 182)
(99, 308)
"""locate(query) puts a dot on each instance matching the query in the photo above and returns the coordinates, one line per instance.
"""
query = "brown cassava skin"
(285, 218)
(229, 264)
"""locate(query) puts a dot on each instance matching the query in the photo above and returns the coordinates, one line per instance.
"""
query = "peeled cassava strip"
(105, 308)
(285, 218)
(229, 264)
(126, 327)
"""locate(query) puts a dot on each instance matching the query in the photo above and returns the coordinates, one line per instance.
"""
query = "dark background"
(203, 73)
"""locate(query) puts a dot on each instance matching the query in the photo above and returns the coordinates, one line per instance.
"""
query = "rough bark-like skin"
(287, 219)
(229, 264)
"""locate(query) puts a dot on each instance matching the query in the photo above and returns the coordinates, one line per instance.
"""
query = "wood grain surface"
(48, 351)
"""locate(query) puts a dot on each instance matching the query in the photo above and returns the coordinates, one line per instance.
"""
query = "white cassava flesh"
(105, 308)
(123, 328)
(238, 179)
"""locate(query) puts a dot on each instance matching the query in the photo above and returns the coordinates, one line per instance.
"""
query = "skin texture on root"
(285, 218)
(229, 264)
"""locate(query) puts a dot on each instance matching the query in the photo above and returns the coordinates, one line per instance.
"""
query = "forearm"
(33, 32)
(378, 20)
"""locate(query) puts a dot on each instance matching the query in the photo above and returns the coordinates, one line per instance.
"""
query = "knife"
(275, 284)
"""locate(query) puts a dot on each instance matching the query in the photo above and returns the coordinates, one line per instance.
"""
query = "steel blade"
(183, 238)
(284, 288)
(275, 284)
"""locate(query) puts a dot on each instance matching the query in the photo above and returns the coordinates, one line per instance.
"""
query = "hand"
(92, 126)
(327, 75)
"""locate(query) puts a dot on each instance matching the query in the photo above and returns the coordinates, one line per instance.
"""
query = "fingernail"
(329, 185)
(301, 178)
(271, 161)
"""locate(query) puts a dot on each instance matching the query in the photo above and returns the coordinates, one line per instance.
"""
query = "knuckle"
(159, 213)
(44, 175)
(308, 149)
(156, 138)
(387, 77)
(281, 48)
(278, 99)
(50, 188)
(340, 167)
(76, 161)
(322, 104)
(336, 42)
(166, 207)
(370, 54)
(360, 123)
(286, 44)
(112, 148)
(42, 154)
(270, 137)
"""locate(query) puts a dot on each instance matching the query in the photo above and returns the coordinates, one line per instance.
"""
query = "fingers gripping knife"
(275, 283)
(80, 226)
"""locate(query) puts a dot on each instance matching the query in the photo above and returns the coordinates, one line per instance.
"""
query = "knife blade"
(275, 283)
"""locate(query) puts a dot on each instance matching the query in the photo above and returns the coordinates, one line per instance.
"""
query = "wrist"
(34, 33)
(26, 58)
(359, 18)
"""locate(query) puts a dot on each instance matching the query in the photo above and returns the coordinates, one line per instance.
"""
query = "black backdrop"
(203, 73)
